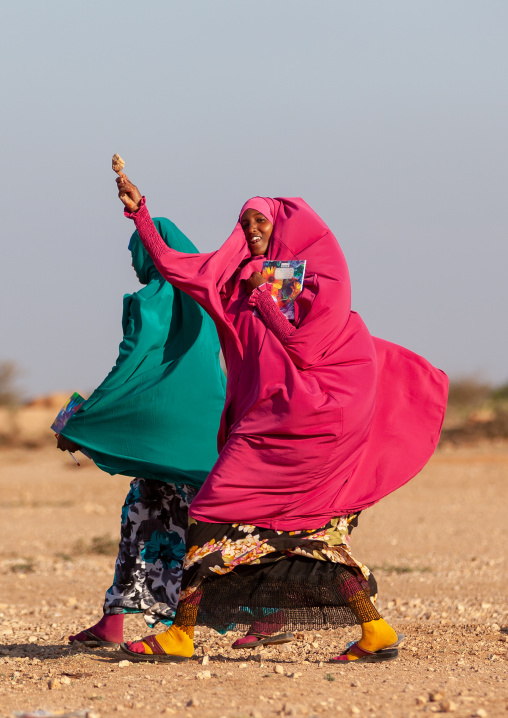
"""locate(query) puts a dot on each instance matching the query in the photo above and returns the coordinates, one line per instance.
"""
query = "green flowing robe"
(156, 414)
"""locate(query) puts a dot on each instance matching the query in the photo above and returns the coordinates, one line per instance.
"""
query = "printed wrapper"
(285, 281)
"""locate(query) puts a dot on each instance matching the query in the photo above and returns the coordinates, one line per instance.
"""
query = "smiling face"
(257, 230)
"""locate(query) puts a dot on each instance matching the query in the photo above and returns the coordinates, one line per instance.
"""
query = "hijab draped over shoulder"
(156, 414)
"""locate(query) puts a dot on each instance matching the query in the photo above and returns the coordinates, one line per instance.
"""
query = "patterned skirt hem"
(243, 576)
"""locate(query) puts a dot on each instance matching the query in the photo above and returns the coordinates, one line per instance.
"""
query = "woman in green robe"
(154, 417)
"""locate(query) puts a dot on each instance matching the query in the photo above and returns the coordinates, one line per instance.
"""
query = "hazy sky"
(389, 118)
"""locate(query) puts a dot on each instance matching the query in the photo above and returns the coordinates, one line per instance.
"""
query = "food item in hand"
(117, 163)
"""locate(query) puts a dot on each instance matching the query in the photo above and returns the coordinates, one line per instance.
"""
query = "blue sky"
(389, 118)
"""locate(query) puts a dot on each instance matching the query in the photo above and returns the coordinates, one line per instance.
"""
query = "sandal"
(92, 641)
(263, 639)
(400, 638)
(157, 654)
(364, 656)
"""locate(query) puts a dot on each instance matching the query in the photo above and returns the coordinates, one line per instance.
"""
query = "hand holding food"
(127, 192)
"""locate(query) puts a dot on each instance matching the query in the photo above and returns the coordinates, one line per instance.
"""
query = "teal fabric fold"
(156, 414)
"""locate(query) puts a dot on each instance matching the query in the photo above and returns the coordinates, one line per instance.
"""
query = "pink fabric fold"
(318, 422)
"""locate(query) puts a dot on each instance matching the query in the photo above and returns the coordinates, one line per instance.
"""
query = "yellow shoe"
(378, 643)
(174, 645)
(377, 635)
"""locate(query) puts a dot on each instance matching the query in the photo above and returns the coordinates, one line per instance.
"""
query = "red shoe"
(364, 656)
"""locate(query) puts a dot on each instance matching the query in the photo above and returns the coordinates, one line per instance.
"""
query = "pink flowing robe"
(322, 423)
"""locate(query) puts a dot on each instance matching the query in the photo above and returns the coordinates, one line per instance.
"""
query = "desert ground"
(438, 547)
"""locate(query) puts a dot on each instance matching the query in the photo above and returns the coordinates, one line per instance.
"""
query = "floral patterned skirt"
(246, 576)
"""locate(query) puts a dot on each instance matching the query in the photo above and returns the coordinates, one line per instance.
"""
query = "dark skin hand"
(255, 280)
(65, 445)
(128, 193)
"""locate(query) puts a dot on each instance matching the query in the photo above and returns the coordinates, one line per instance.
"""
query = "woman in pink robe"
(321, 420)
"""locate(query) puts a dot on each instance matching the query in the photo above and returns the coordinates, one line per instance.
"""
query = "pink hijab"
(328, 422)
(266, 205)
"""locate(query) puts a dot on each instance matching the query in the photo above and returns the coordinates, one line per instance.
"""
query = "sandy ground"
(438, 547)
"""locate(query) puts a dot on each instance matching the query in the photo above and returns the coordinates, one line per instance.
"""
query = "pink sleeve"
(195, 274)
(271, 314)
(153, 242)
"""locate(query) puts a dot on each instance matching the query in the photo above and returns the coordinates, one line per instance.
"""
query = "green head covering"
(157, 413)
(172, 236)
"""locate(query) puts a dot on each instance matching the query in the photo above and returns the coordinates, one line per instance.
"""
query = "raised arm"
(135, 209)
(195, 274)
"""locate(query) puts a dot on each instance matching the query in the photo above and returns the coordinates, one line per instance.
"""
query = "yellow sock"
(375, 636)
(176, 641)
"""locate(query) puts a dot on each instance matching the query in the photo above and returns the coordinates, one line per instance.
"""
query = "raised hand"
(128, 193)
